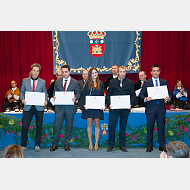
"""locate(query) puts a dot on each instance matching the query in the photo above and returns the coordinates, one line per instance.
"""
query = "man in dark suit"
(138, 86)
(114, 75)
(32, 84)
(65, 112)
(119, 86)
(155, 109)
(81, 87)
(51, 88)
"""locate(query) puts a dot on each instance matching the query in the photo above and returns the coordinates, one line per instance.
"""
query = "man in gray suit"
(32, 84)
(65, 112)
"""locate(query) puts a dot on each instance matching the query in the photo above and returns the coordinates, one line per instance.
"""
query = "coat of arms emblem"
(104, 129)
(96, 43)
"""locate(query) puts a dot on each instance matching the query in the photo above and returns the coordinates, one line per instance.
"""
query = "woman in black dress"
(93, 87)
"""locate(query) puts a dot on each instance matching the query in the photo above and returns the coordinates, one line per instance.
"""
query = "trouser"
(26, 119)
(160, 117)
(58, 123)
(113, 119)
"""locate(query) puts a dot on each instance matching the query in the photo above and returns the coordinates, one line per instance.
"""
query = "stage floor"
(135, 152)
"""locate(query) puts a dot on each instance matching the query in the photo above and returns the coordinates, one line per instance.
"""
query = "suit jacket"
(50, 90)
(137, 86)
(81, 88)
(73, 86)
(107, 81)
(26, 86)
(151, 105)
(126, 89)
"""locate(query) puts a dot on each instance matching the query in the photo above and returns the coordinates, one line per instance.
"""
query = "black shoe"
(123, 149)
(149, 149)
(109, 149)
(162, 149)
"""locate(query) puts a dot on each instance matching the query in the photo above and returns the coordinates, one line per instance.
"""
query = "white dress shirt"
(68, 81)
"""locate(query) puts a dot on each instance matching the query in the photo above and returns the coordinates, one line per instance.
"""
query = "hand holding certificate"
(35, 98)
(64, 98)
(120, 102)
(95, 102)
(159, 92)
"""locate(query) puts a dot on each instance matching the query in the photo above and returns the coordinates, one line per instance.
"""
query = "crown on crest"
(104, 125)
(96, 34)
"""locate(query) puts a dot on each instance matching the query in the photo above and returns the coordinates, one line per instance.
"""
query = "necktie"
(121, 83)
(64, 87)
(156, 82)
(33, 86)
(157, 85)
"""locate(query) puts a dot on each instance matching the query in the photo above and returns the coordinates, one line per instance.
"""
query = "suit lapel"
(69, 85)
(29, 84)
(38, 84)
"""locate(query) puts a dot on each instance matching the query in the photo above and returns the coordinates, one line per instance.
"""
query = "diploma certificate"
(95, 102)
(64, 98)
(158, 92)
(120, 102)
(35, 98)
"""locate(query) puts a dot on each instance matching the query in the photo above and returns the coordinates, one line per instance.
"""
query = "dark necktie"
(157, 85)
(121, 82)
(64, 87)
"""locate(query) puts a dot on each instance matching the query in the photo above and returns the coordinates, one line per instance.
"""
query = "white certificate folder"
(95, 102)
(158, 92)
(120, 102)
(64, 98)
(35, 98)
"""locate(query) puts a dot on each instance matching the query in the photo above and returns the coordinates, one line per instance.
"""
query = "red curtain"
(19, 49)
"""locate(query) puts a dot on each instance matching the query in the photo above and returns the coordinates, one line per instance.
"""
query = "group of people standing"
(115, 85)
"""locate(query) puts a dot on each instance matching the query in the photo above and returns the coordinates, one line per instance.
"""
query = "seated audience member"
(12, 96)
(138, 86)
(176, 149)
(13, 151)
(112, 76)
(51, 88)
(179, 94)
(81, 87)
(52, 80)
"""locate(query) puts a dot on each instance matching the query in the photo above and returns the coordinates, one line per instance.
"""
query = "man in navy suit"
(32, 84)
(155, 109)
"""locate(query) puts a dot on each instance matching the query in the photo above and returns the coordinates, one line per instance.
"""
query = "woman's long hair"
(176, 84)
(90, 81)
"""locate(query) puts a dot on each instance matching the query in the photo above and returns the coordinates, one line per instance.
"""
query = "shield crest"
(104, 129)
(96, 43)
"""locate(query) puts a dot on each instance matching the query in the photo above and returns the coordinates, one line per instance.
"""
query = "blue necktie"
(157, 85)
(156, 82)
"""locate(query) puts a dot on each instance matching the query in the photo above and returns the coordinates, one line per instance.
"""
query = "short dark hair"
(66, 66)
(155, 65)
(177, 149)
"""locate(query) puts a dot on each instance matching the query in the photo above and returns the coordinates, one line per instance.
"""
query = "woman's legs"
(89, 132)
(97, 132)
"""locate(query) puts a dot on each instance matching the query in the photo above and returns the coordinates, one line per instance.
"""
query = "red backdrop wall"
(19, 49)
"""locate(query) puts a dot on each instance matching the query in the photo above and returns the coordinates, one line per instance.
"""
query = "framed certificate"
(35, 98)
(158, 92)
(95, 102)
(120, 102)
(64, 98)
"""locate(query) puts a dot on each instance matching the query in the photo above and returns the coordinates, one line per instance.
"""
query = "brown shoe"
(67, 148)
(53, 148)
